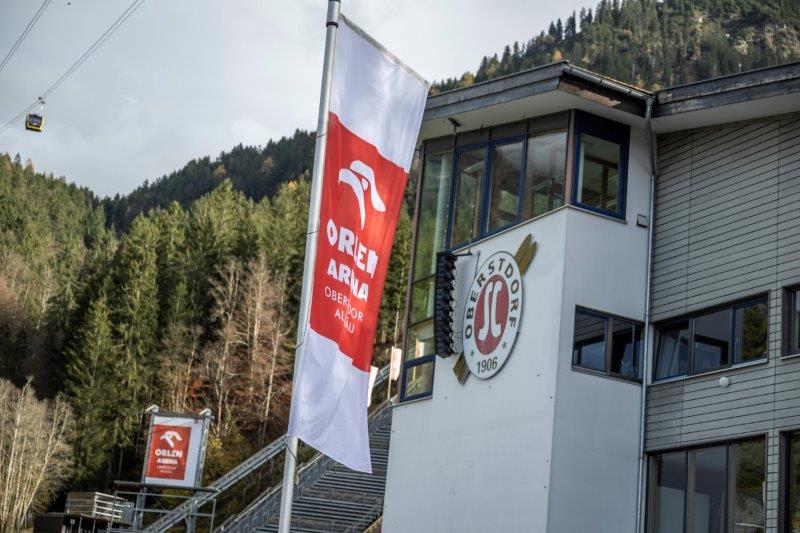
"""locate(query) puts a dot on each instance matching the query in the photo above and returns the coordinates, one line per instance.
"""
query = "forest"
(184, 293)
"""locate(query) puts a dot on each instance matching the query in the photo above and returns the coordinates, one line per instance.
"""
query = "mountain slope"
(655, 44)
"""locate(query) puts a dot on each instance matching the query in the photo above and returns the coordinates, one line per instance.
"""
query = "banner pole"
(290, 464)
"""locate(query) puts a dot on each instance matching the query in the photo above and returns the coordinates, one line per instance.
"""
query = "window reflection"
(504, 185)
(469, 186)
(589, 348)
(598, 173)
(751, 332)
(544, 173)
(710, 488)
(748, 468)
(673, 350)
(670, 492)
(794, 322)
(418, 379)
(625, 348)
(712, 337)
(432, 211)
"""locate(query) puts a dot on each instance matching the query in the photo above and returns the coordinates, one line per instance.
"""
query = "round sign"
(492, 314)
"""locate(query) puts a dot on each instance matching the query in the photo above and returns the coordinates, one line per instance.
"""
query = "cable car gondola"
(35, 121)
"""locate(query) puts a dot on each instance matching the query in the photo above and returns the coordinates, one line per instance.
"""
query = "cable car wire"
(80, 61)
(24, 33)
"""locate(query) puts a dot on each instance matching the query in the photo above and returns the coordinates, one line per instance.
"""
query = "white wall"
(540, 446)
(476, 457)
(596, 427)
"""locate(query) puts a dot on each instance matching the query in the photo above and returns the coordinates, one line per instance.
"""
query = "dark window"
(792, 482)
(792, 321)
(589, 350)
(712, 339)
(708, 490)
(752, 321)
(713, 489)
(626, 345)
(544, 173)
(470, 169)
(504, 185)
(600, 164)
(417, 379)
(748, 461)
(668, 493)
(434, 199)
(606, 343)
(673, 350)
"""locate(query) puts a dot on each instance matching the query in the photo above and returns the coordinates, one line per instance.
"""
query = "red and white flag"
(374, 119)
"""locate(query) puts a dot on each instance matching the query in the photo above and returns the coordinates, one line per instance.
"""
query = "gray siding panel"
(727, 226)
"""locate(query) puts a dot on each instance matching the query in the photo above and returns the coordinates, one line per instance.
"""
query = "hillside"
(655, 44)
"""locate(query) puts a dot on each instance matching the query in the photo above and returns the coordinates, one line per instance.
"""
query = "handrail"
(309, 473)
(236, 474)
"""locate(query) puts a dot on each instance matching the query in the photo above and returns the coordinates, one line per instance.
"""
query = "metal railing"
(257, 513)
(98, 505)
(140, 493)
(238, 473)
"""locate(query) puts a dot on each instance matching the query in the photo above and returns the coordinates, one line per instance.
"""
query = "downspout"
(640, 525)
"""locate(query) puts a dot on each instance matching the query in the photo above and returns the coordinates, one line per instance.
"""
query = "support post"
(317, 178)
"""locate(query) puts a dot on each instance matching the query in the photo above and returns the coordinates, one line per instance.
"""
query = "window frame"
(485, 187)
(791, 294)
(690, 476)
(734, 306)
(408, 364)
(606, 130)
(608, 342)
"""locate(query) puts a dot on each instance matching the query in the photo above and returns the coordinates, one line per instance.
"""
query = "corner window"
(791, 318)
(504, 185)
(545, 167)
(601, 152)
(432, 211)
(708, 490)
(713, 339)
(470, 168)
(607, 344)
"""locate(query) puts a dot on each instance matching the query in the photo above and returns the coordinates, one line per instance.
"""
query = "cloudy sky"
(188, 78)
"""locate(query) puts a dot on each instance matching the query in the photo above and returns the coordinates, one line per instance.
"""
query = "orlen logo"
(492, 314)
(366, 181)
(170, 437)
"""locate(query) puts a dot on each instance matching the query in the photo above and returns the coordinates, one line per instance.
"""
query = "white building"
(540, 425)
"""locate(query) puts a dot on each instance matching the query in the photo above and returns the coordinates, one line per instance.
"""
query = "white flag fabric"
(374, 119)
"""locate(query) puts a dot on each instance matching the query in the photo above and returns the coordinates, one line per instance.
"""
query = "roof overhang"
(560, 86)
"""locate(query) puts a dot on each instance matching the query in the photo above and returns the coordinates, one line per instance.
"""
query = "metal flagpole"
(290, 465)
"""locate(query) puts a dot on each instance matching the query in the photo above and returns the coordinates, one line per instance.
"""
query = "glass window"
(421, 300)
(752, 322)
(626, 343)
(504, 185)
(793, 321)
(748, 469)
(590, 341)
(673, 350)
(710, 486)
(432, 211)
(418, 379)
(793, 482)
(712, 337)
(689, 489)
(469, 187)
(544, 173)
(593, 348)
(668, 500)
(599, 174)
(712, 340)
(419, 340)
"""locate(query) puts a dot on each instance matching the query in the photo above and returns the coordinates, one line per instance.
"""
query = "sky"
(183, 79)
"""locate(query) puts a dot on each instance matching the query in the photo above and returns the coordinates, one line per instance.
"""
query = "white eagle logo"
(359, 185)
(170, 437)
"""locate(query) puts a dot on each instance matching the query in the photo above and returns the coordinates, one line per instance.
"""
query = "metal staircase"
(329, 497)
(266, 454)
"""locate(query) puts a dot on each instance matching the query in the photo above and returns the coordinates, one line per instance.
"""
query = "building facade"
(625, 309)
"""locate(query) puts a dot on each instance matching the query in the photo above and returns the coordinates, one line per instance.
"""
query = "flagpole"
(290, 465)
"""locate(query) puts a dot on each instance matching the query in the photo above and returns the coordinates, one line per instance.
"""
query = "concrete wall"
(476, 457)
(728, 226)
(596, 433)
